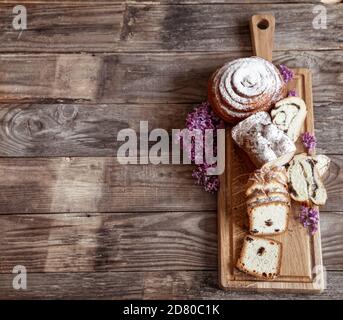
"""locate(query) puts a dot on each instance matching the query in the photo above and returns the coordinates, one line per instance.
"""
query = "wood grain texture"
(49, 185)
(145, 285)
(130, 27)
(172, 1)
(128, 242)
(78, 103)
(46, 130)
(144, 241)
(262, 29)
(141, 78)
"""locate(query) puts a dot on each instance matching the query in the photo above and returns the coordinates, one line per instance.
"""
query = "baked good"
(267, 188)
(267, 197)
(289, 115)
(305, 182)
(268, 218)
(245, 86)
(260, 257)
(268, 174)
(322, 163)
(263, 141)
(268, 201)
(266, 181)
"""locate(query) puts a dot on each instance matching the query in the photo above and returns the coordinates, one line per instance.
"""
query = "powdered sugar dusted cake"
(263, 141)
(245, 86)
(260, 257)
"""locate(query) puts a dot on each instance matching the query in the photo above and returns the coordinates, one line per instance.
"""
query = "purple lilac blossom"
(197, 121)
(292, 93)
(309, 141)
(287, 74)
(309, 218)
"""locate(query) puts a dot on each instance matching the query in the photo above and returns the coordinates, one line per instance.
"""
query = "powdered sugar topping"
(245, 83)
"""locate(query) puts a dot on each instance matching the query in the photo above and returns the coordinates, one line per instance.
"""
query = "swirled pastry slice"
(322, 163)
(305, 182)
(263, 141)
(260, 257)
(289, 115)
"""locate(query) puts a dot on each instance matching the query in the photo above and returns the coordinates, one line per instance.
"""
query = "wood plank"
(142, 78)
(203, 285)
(89, 27)
(75, 130)
(331, 240)
(145, 285)
(29, 130)
(43, 185)
(301, 265)
(144, 241)
(173, 1)
(103, 242)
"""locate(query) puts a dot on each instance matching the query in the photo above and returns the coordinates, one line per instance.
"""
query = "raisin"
(268, 223)
(249, 239)
(254, 231)
(261, 251)
(264, 274)
(277, 230)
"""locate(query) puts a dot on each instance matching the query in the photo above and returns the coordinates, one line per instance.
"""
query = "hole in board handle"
(263, 24)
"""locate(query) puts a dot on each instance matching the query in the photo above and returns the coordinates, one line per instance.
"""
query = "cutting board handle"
(262, 27)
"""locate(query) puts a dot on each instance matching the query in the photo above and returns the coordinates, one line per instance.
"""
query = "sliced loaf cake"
(260, 257)
(268, 201)
(268, 218)
(259, 198)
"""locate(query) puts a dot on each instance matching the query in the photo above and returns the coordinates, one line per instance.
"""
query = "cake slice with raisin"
(260, 257)
(268, 218)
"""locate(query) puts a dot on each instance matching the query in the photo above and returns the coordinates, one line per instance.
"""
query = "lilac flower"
(292, 93)
(309, 218)
(197, 121)
(202, 118)
(309, 141)
(210, 183)
(287, 74)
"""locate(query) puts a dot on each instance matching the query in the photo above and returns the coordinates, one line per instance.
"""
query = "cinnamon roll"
(245, 86)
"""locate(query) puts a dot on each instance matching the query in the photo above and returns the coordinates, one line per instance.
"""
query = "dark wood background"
(85, 226)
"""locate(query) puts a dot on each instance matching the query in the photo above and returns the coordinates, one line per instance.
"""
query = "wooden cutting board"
(301, 266)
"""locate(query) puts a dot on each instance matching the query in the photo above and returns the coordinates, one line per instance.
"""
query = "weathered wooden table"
(85, 226)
